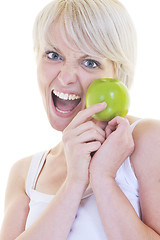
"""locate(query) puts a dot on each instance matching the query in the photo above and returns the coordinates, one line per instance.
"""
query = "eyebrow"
(54, 48)
(59, 51)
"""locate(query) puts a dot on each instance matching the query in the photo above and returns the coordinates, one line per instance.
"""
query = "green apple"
(114, 93)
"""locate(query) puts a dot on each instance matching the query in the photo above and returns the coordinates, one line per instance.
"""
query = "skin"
(69, 168)
(69, 74)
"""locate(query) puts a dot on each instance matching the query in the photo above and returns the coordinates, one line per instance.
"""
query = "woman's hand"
(80, 138)
(115, 149)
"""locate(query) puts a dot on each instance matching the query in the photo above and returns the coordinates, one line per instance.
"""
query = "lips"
(64, 102)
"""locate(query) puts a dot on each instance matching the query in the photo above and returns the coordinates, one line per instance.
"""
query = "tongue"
(65, 105)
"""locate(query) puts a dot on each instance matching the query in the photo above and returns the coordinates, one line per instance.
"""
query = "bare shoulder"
(16, 201)
(21, 166)
(146, 164)
(20, 169)
(17, 178)
(146, 156)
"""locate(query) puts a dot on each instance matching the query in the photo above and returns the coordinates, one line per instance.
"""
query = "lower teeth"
(62, 111)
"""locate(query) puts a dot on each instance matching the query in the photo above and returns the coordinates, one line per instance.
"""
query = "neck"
(58, 150)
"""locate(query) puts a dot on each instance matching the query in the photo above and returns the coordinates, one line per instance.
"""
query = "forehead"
(58, 37)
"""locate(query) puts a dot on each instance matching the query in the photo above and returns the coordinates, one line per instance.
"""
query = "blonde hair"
(101, 27)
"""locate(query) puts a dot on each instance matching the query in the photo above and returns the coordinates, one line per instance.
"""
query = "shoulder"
(17, 178)
(146, 163)
(147, 126)
(145, 157)
(16, 200)
(20, 168)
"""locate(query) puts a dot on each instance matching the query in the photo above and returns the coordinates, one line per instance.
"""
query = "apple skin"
(114, 93)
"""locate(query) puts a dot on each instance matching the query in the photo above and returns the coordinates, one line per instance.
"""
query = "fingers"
(117, 123)
(108, 131)
(85, 114)
(117, 120)
(91, 135)
(87, 132)
(93, 146)
(89, 125)
(84, 133)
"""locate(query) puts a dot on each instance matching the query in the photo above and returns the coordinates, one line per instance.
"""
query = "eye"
(89, 63)
(54, 56)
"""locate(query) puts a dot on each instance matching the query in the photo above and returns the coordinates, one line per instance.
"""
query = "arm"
(54, 223)
(60, 213)
(16, 202)
(146, 162)
(118, 216)
(80, 138)
(57, 219)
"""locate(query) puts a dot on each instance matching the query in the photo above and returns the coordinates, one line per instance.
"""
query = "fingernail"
(103, 104)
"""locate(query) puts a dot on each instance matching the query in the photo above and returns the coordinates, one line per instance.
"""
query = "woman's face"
(64, 76)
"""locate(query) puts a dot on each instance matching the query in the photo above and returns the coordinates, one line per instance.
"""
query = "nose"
(67, 74)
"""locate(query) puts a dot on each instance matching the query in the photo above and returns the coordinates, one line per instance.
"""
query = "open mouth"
(65, 103)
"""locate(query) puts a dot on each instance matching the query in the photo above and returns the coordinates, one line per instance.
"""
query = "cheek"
(46, 73)
(87, 81)
(45, 77)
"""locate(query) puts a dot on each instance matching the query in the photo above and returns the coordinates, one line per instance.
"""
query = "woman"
(68, 192)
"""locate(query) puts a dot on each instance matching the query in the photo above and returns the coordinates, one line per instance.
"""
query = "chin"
(59, 123)
(59, 119)
(58, 126)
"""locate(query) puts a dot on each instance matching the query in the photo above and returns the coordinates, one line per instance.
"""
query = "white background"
(24, 128)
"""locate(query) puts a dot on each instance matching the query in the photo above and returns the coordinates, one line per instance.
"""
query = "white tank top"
(87, 224)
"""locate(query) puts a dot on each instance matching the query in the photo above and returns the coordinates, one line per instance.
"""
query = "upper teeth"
(66, 96)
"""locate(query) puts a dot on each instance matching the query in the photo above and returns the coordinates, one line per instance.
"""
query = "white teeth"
(66, 96)
(62, 111)
(70, 97)
(61, 95)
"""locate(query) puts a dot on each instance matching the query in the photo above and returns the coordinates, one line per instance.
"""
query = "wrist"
(101, 179)
(76, 183)
(102, 172)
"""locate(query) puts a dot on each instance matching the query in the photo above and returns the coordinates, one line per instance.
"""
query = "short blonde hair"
(101, 27)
